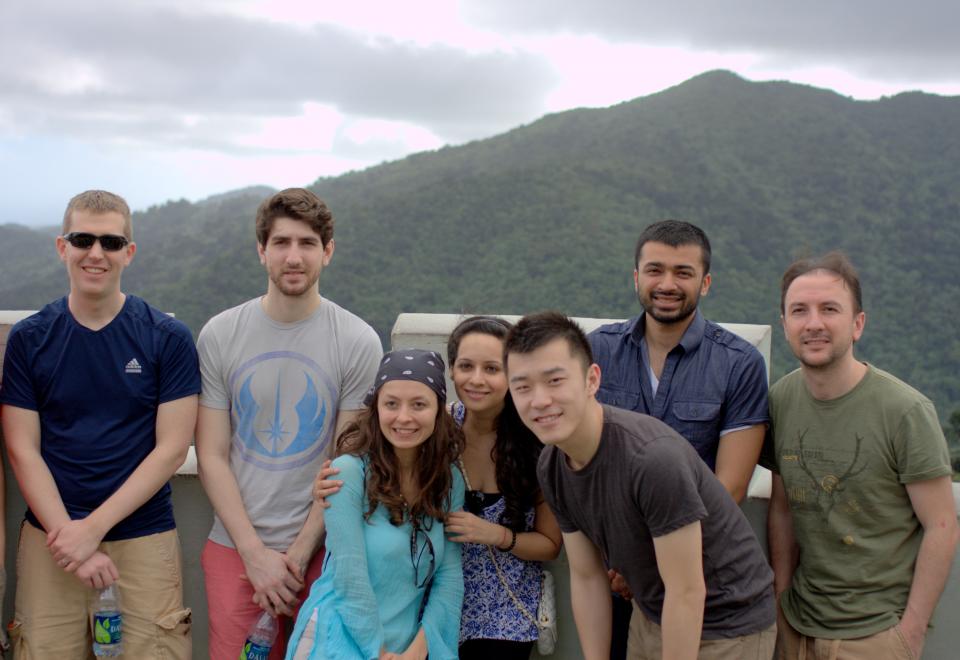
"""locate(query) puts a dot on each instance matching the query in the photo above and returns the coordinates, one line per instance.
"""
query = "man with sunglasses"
(282, 374)
(100, 398)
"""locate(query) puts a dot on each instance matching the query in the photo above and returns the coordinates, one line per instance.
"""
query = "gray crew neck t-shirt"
(283, 384)
(646, 481)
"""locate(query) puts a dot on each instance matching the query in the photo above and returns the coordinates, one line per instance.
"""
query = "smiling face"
(407, 411)
(820, 321)
(478, 374)
(294, 257)
(553, 391)
(95, 273)
(670, 280)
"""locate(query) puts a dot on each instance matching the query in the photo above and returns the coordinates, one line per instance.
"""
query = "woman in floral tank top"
(506, 527)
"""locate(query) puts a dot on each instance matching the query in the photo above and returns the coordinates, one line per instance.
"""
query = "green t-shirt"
(845, 463)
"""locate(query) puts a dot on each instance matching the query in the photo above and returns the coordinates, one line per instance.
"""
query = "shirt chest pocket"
(620, 398)
(698, 421)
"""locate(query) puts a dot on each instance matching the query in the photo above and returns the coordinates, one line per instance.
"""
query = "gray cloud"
(154, 65)
(885, 39)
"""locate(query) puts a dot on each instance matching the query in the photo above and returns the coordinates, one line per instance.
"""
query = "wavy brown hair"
(434, 465)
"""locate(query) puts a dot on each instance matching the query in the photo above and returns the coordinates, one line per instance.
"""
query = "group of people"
(631, 447)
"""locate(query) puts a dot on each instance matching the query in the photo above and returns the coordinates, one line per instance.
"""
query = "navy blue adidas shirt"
(97, 394)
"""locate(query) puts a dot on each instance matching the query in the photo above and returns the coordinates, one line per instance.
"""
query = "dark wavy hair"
(434, 464)
(297, 204)
(516, 449)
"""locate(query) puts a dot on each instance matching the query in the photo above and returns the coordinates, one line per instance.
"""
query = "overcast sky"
(163, 99)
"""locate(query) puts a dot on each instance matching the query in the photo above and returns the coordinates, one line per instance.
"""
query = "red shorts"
(230, 605)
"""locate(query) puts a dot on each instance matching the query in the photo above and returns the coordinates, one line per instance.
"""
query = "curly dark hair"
(434, 465)
(297, 204)
(516, 449)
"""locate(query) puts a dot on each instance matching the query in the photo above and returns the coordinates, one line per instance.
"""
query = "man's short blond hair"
(99, 201)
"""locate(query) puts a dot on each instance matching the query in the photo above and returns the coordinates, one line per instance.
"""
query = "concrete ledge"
(194, 515)
(430, 331)
(9, 317)
(189, 467)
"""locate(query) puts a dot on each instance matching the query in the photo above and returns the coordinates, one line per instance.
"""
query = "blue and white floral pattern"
(488, 610)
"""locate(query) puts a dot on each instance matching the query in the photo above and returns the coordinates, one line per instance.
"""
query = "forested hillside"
(546, 215)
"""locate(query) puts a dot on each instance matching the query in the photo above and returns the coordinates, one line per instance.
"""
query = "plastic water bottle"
(260, 638)
(107, 622)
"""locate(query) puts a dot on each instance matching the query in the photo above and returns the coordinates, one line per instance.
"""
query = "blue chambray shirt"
(712, 381)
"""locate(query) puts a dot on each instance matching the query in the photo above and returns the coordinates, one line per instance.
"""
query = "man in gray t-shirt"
(629, 490)
(282, 374)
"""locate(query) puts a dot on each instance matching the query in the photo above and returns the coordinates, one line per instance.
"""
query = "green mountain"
(546, 216)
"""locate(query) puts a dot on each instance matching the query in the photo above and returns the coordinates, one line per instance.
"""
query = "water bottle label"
(254, 651)
(107, 628)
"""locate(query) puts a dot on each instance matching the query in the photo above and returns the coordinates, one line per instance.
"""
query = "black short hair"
(675, 233)
(535, 330)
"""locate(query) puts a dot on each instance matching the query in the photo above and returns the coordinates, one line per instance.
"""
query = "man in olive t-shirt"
(628, 488)
(862, 523)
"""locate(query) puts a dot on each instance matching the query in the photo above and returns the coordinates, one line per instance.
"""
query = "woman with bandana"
(392, 584)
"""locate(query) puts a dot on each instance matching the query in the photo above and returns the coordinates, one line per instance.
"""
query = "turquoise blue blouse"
(366, 598)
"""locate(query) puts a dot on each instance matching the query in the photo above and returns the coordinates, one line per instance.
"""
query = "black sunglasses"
(84, 241)
(417, 551)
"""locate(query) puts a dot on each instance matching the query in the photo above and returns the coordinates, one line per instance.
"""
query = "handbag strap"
(463, 471)
(496, 566)
(513, 596)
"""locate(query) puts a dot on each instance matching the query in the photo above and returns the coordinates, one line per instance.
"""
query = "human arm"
(933, 504)
(618, 585)
(417, 650)
(324, 485)
(4, 642)
(680, 563)
(98, 572)
(21, 429)
(737, 457)
(76, 540)
(441, 612)
(355, 600)
(589, 595)
(744, 423)
(784, 552)
(275, 587)
(540, 544)
(310, 537)
(3, 531)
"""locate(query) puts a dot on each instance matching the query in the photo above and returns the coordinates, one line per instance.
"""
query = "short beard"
(294, 293)
(686, 311)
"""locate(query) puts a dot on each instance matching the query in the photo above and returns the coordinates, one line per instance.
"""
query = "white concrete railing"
(11, 316)
(430, 331)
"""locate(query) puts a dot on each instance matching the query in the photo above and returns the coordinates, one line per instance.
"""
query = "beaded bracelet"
(513, 543)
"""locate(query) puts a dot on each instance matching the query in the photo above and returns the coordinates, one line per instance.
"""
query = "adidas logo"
(133, 367)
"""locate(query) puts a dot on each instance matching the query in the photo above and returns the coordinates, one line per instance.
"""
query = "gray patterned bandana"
(415, 364)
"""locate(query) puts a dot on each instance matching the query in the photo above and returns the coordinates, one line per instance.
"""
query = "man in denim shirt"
(705, 382)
